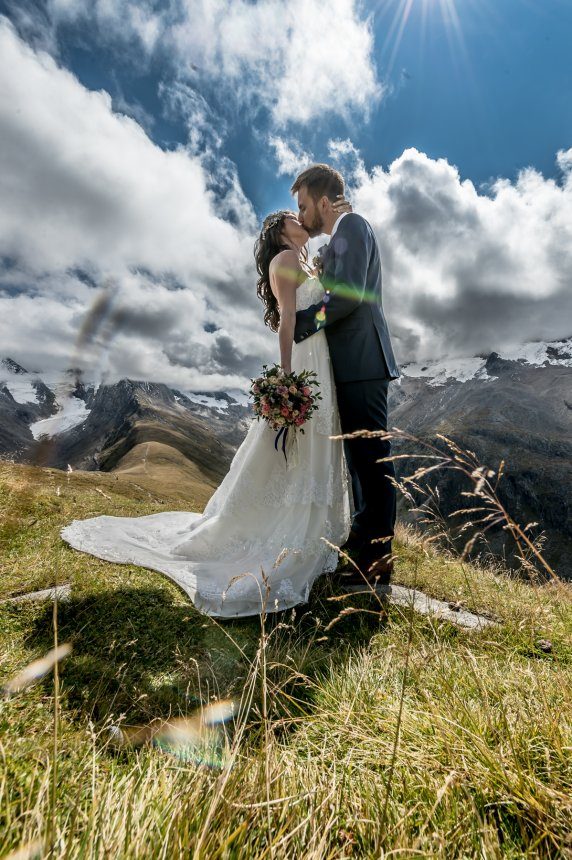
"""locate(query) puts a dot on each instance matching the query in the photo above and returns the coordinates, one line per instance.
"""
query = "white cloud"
(84, 188)
(298, 60)
(564, 160)
(327, 64)
(290, 156)
(466, 272)
(138, 18)
(90, 184)
(346, 157)
(206, 130)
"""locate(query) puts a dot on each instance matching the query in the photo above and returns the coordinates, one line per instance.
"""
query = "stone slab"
(63, 592)
(422, 603)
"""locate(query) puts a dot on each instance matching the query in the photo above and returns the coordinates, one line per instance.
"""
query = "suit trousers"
(363, 406)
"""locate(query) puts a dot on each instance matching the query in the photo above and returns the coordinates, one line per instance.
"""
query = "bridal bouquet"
(285, 401)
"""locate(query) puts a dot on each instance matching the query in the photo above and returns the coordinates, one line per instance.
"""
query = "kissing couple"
(273, 525)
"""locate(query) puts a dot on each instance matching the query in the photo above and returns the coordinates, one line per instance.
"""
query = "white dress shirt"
(337, 224)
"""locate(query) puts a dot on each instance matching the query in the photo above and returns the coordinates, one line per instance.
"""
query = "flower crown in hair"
(271, 224)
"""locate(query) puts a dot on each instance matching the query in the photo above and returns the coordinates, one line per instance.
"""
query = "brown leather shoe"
(345, 561)
(382, 568)
(377, 574)
(352, 548)
(353, 544)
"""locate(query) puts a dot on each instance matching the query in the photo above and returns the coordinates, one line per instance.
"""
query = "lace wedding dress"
(259, 541)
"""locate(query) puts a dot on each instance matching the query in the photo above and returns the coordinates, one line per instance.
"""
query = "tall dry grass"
(373, 732)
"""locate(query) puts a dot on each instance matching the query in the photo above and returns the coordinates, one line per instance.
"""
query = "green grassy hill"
(362, 733)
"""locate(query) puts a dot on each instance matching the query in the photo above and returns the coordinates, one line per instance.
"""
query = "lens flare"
(27, 852)
(191, 743)
(36, 670)
(199, 739)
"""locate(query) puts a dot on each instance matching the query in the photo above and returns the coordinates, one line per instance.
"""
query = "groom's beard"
(316, 227)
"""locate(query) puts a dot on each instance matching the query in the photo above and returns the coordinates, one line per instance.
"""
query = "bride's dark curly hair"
(269, 243)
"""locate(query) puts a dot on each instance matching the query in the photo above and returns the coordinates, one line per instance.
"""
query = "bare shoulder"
(285, 261)
(285, 269)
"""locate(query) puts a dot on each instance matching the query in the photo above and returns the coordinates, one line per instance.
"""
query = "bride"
(258, 544)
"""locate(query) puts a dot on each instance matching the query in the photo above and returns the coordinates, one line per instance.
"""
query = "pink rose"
(299, 421)
(285, 411)
(306, 390)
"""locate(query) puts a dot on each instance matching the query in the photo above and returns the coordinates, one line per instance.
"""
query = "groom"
(362, 361)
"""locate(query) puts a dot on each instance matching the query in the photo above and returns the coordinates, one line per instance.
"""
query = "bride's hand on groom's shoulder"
(341, 205)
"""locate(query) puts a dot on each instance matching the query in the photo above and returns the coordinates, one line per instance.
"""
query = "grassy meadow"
(359, 730)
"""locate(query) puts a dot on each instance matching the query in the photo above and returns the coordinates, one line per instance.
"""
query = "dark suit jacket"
(356, 329)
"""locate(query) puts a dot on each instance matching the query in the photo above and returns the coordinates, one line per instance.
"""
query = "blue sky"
(487, 85)
(447, 103)
(492, 92)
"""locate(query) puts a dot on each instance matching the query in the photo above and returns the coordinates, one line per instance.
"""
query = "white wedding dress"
(259, 541)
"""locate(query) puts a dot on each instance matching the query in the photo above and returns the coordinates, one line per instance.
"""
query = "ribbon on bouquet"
(282, 434)
(288, 441)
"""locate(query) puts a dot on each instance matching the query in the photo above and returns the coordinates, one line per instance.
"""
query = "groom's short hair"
(320, 180)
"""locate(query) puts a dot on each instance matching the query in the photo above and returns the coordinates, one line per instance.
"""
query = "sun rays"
(439, 26)
(443, 12)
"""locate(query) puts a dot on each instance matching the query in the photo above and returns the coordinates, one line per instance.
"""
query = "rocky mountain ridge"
(514, 405)
(61, 421)
(512, 409)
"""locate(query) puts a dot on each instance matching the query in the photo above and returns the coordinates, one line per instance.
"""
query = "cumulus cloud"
(140, 19)
(205, 128)
(294, 60)
(564, 160)
(346, 157)
(464, 272)
(206, 136)
(83, 189)
(87, 198)
(290, 156)
(132, 108)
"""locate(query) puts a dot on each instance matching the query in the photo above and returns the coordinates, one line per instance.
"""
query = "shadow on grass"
(139, 653)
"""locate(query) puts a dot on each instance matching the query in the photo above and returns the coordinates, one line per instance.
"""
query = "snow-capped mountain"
(73, 411)
(61, 419)
(66, 399)
(220, 401)
(59, 399)
(516, 406)
(513, 405)
(535, 354)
